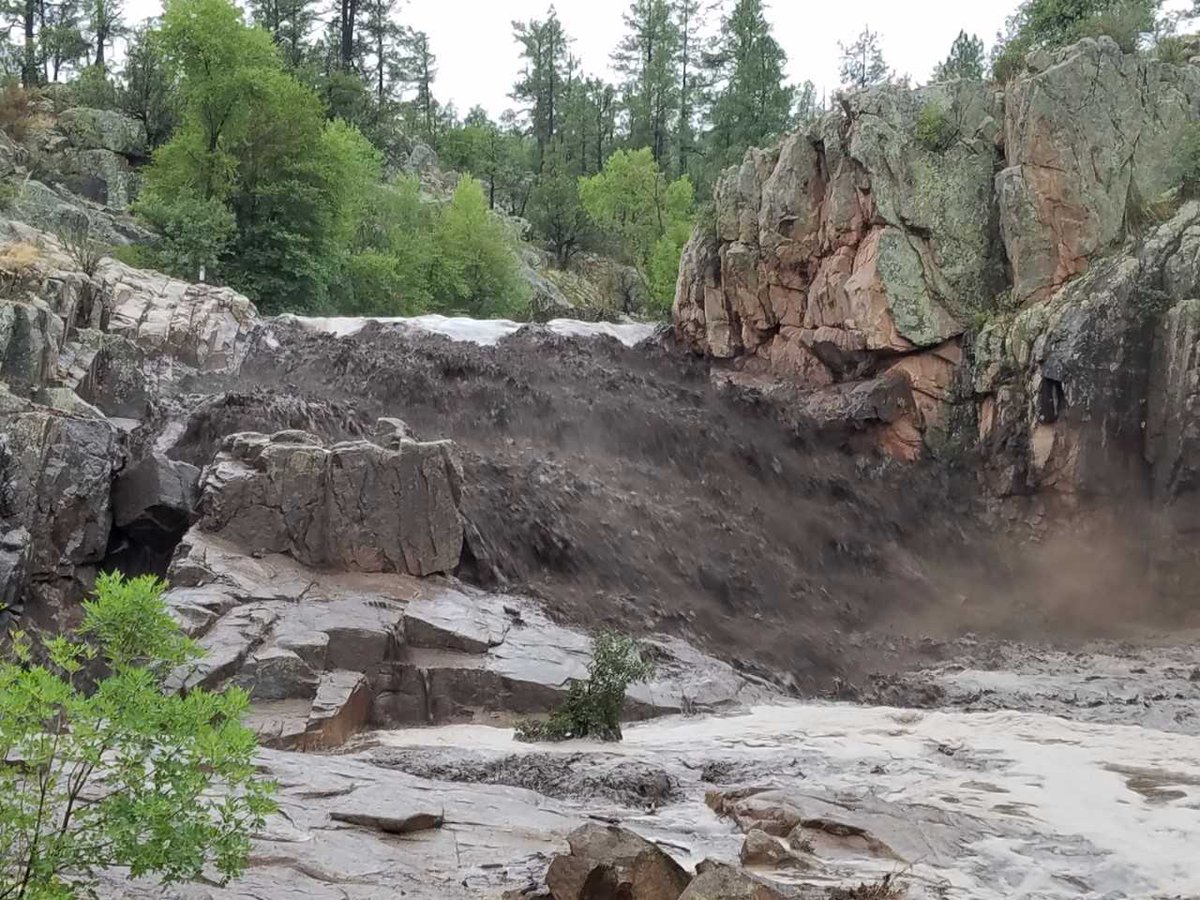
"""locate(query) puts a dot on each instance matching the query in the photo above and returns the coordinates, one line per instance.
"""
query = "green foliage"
(1187, 160)
(93, 88)
(254, 142)
(935, 129)
(192, 234)
(753, 103)
(556, 212)
(475, 269)
(593, 707)
(1172, 49)
(128, 773)
(148, 91)
(1056, 23)
(965, 60)
(411, 257)
(631, 200)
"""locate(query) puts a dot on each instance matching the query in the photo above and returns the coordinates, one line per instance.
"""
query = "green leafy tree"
(105, 23)
(649, 216)
(965, 61)
(556, 211)
(593, 705)
(862, 62)
(256, 140)
(60, 37)
(125, 773)
(752, 103)
(646, 57)
(148, 89)
(475, 269)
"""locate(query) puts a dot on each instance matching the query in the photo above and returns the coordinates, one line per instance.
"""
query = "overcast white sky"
(478, 62)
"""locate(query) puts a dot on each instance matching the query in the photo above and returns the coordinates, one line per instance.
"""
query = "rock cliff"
(991, 255)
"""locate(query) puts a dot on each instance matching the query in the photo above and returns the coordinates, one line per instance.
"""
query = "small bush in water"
(593, 706)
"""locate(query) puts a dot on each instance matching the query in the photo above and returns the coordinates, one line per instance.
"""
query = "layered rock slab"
(355, 506)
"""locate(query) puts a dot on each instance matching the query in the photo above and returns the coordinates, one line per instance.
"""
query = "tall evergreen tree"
(416, 64)
(752, 102)
(148, 89)
(647, 57)
(347, 16)
(540, 86)
(383, 41)
(289, 22)
(808, 105)
(862, 61)
(690, 20)
(965, 60)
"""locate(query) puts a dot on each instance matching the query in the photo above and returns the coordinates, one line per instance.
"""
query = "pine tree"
(862, 61)
(647, 58)
(689, 22)
(808, 107)
(289, 22)
(965, 60)
(540, 86)
(752, 103)
(417, 66)
(383, 40)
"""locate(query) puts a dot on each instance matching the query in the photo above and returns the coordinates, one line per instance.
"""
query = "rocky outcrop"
(56, 470)
(323, 654)
(852, 246)
(1090, 137)
(92, 153)
(355, 505)
(868, 245)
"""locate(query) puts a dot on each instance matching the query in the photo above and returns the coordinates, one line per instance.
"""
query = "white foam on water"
(485, 332)
(1056, 808)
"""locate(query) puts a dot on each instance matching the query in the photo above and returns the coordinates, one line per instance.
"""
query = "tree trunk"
(349, 10)
(29, 75)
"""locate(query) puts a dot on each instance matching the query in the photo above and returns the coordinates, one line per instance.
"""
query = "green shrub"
(127, 773)
(94, 89)
(1187, 162)
(192, 233)
(935, 130)
(1172, 49)
(1009, 63)
(1124, 22)
(593, 707)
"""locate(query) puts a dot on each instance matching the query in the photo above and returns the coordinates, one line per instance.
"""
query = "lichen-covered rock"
(30, 338)
(56, 473)
(103, 129)
(1074, 396)
(1089, 136)
(200, 325)
(354, 505)
(855, 227)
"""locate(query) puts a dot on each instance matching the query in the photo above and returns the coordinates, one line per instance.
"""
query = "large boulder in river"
(355, 505)
(607, 863)
(720, 882)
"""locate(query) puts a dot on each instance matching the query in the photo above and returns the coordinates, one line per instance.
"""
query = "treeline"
(280, 143)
